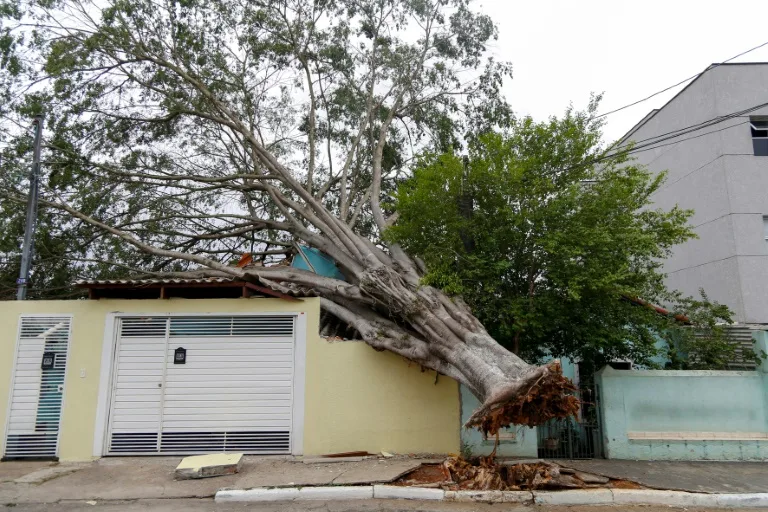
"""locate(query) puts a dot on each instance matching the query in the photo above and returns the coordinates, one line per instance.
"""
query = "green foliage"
(708, 344)
(549, 247)
(134, 91)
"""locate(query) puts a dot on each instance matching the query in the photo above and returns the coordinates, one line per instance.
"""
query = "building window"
(759, 136)
(765, 229)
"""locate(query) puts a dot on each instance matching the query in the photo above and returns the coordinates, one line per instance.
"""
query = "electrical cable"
(681, 82)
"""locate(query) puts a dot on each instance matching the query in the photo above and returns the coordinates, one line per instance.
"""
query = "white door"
(38, 387)
(230, 390)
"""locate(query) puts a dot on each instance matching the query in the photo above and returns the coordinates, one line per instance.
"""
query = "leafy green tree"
(553, 241)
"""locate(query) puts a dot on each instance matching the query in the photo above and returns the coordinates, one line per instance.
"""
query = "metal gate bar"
(572, 438)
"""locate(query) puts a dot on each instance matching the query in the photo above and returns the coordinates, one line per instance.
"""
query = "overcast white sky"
(563, 50)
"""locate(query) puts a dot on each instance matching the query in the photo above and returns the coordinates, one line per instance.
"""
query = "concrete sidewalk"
(704, 476)
(128, 478)
(132, 478)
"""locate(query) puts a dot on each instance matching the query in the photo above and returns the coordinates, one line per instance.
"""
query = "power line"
(691, 138)
(695, 127)
(656, 142)
(681, 82)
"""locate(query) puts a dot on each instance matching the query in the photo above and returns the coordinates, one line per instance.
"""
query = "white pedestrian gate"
(192, 384)
(37, 388)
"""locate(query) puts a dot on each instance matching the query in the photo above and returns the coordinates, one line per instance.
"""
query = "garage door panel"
(233, 407)
(143, 359)
(263, 385)
(233, 392)
(130, 405)
(242, 396)
(139, 387)
(154, 367)
(244, 380)
(127, 424)
(216, 358)
(280, 368)
(233, 343)
(217, 425)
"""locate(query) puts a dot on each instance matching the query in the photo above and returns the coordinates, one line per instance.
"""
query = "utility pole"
(29, 230)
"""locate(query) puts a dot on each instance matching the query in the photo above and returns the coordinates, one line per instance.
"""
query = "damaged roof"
(198, 286)
(84, 283)
(195, 286)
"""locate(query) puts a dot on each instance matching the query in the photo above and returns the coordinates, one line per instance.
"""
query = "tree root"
(543, 395)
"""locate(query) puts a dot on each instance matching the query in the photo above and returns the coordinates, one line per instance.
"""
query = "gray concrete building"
(712, 139)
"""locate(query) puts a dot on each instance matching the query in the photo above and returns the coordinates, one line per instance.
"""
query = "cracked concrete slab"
(703, 476)
(127, 478)
(381, 472)
(45, 474)
(288, 474)
(10, 471)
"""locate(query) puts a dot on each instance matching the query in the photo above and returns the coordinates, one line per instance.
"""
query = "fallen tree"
(196, 131)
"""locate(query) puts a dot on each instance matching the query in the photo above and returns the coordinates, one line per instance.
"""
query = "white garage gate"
(199, 384)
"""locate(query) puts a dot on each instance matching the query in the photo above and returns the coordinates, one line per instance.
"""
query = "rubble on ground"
(491, 474)
(205, 466)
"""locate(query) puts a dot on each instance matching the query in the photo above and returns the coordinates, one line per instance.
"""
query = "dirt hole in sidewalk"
(426, 475)
(624, 484)
(488, 474)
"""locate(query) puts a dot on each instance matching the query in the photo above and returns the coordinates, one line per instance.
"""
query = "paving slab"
(207, 466)
(380, 471)
(12, 470)
(118, 479)
(45, 474)
(704, 476)
(271, 473)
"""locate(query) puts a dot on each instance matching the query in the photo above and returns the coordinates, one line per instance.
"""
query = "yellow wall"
(356, 398)
(360, 399)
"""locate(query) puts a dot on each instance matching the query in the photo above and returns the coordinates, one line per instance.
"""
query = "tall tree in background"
(552, 242)
(193, 129)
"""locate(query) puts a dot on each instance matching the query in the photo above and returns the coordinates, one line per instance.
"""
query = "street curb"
(296, 494)
(567, 498)
(407, 493)
(574, 497)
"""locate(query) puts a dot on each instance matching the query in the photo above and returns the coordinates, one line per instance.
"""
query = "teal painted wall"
(670, 401)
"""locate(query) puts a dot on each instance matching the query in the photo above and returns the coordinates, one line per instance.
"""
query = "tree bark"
(384, 301)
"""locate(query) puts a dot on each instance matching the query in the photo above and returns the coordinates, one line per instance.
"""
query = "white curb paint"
(474, 496)
(407, 493)
(687, 499)
(574, 497)
(296, 494)
(671, 498)
(489, 496)
(517, 496)
(336, 493)
(286, 494)
(757, 499)
(570, 497)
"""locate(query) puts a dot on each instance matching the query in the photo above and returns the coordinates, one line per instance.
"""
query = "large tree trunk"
(426, 326)
(384, 300)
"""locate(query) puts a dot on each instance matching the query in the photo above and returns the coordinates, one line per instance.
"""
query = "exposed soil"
(485, 473)
(624, 484)
(427, 475)
(550, 396)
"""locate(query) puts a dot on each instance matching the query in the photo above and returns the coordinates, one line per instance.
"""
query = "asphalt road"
(207, 505)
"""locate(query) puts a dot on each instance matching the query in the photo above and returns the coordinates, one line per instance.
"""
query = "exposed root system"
(485, 473)
(549, 396)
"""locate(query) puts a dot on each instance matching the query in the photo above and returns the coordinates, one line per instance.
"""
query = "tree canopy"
(193, 131)
(553, 240)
